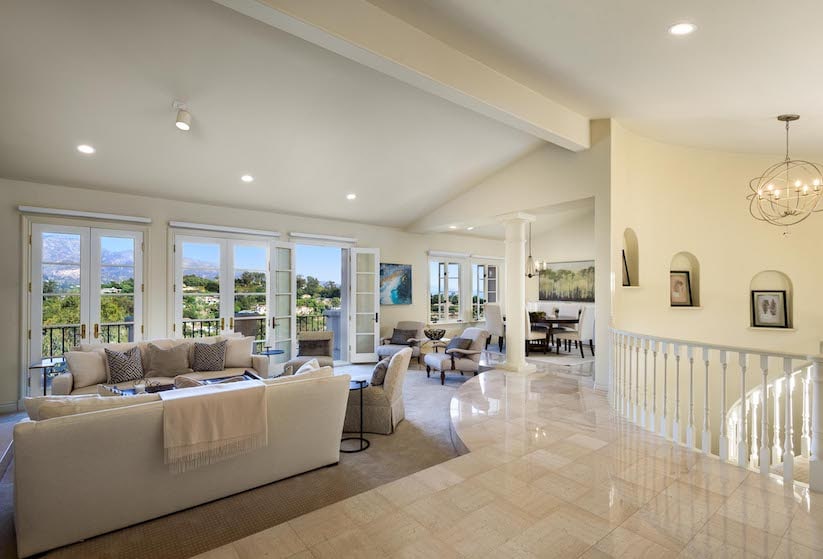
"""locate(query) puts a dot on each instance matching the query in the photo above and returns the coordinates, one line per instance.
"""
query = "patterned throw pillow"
(209, 357)
(401, 337)
(124, 366)
(378, 375)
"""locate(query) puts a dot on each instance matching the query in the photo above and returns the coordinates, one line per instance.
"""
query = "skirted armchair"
(456, 359)
(412, 336)
(383, 405)
(312, 345)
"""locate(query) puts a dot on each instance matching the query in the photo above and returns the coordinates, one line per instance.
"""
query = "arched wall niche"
(687, 262)
(631, 256)
(770, 281)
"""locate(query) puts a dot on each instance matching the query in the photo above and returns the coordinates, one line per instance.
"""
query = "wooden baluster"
(676, 425)
(664, 419)
(723, 440)
(753, 404)
(690, 427)
(707, 437)
(742, 455)
(788, 442)
(816, 446)
(764, 457)
(644, 418)
(777, 450)
(637, 380)
(654, 416)
(805, 439)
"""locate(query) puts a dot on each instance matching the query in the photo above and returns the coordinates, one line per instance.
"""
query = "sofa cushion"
(238, 351)
(378, 375)
(209, 357)
(87, 368)
(309, 365)
(312, 348)
(401, 337)
(59, 406)
(33, 404)
(124, 366)
(167, 362)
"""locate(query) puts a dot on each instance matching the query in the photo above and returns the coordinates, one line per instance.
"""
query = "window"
(445, 291)
(484, 288)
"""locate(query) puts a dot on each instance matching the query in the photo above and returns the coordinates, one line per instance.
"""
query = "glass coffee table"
(248, 375)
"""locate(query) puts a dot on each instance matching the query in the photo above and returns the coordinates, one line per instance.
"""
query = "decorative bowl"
(434, 333)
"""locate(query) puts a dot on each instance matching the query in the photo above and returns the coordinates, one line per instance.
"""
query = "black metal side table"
(49, 367)
(364, 443)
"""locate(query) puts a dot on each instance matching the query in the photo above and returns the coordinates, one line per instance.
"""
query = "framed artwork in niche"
(680, 289)
(395, 284)
(769, 309)
(626, 279)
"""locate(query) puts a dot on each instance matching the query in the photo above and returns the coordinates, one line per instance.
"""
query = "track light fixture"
(183, 121)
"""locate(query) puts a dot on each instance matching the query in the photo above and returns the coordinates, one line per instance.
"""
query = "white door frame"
(364, 314)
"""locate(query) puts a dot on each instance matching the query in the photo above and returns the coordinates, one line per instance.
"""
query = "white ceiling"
(720, 88)
(547, 218)
(311, 126)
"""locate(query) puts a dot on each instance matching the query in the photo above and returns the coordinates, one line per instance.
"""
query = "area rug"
(422, 440)
(571, 359)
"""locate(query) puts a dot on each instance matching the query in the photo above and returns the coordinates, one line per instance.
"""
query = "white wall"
(684, 199)
(395, 246)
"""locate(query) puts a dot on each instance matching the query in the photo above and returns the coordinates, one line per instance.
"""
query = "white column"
(816, 459)
(723, 442)
(765, 458)
(788, 443)
(515, 224)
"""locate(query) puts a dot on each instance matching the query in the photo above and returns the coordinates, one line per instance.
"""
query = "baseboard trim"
(11, 407)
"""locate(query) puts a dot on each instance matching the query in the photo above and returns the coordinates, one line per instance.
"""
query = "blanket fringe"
(186, 458)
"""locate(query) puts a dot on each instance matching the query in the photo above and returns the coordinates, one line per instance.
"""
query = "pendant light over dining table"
(531, 271)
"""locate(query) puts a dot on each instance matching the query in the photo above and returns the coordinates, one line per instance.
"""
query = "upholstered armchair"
(494, 324)
(407, 333)
(383, 405)
(312, 345)
(456, 359)
(577, 333)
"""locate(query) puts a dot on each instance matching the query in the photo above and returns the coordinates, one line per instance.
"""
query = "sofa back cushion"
(167, 362)
(124, 366)
(86, 367)
(238, 351)
(49, 407)
(322, 372)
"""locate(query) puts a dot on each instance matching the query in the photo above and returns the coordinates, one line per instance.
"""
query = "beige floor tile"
(607, 502)
(793, 550)
(395, 531)
(468, 495)
(703, 545)
(438, 477)
(769, 520)
(806, 530)
(224, 552)
(586, 441)
(277, 543)
(560, 487)
(322, 524)
(468, 465)
(364, 508)
(625, 543)
(436, 512)
(405, 491)
(426, 547)
(753, 541)
(352, 544)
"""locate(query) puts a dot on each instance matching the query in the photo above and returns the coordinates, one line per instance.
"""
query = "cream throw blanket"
(211, 423)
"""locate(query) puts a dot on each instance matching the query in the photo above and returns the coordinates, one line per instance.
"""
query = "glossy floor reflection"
(553, 472)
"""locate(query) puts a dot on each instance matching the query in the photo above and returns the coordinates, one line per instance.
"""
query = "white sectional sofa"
(238, 359)
(82, 475)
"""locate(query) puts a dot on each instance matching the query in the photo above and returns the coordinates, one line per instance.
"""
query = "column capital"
(516, 216)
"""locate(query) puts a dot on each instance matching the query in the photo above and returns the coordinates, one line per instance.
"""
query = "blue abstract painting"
(395, 284)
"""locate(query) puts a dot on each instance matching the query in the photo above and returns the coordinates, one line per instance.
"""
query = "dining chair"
(494, 324)
(536, 336)
(576, 333)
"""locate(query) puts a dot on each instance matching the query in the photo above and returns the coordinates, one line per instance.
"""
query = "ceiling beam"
(366, 34)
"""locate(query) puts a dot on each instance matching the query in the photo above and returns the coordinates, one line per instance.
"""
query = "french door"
(227, 285)
(364, 327)
(86, 287)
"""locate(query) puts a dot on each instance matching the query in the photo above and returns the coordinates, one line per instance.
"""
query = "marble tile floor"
(553, 472)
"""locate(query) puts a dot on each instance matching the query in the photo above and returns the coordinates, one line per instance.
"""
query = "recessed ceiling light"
(351, 196)
(469, 228)
(247, 178)
(682, 28)
(452, 226)
(86, 149)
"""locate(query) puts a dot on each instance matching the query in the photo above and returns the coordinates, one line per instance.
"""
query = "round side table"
(363, 443)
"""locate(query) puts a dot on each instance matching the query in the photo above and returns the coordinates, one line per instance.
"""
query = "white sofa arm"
(260, 363)
(62, 384)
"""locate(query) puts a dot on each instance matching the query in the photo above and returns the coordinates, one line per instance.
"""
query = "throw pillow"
(209, 357)
(459, 343)
(238, 351)
(378, 375)
(72, 405)
(322, 372)
(124, 367)
(86, 367)
(307, 367)
(167, 362)
(401, 337)
(313, 347)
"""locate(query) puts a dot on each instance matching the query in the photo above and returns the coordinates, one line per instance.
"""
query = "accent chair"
(312, 345)
(383, 405)
(458, 360)
(535, 336)
(391, 344)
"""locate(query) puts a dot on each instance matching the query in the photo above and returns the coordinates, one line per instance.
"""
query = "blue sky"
(319, 261)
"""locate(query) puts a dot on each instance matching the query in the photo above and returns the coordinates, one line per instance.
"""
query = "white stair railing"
(747, 429)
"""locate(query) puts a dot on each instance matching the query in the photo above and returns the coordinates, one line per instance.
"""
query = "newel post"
(816, 460)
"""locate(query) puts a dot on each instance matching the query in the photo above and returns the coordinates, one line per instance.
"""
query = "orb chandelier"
(787, 192)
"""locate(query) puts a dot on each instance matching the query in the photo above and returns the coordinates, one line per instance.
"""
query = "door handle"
(377, 317)
(222, 323)
(82, 331)
(96, 331)
(272, 323)
(231, 322)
